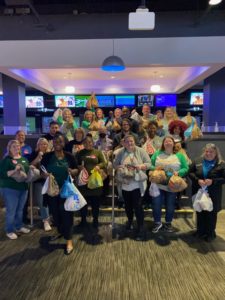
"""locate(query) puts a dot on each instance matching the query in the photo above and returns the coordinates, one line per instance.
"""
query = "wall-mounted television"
(125, 100)
(64, 101)
(166, 100)
(31, 124)
(45, 124)
(196, 98)
(1, 101)
(81, 100)
(105, 100)
(34, 101)
(145, 99)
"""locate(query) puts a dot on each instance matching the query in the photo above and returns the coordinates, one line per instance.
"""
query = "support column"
(14, 111)
(214, 100)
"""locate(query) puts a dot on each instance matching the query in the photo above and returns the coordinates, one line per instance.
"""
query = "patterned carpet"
(164, 266)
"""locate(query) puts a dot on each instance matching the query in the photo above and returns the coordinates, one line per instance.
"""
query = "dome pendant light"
(113, 63)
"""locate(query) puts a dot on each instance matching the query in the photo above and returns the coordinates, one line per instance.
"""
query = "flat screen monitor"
(145, 99)
(34, 101)
(105, 100)
(81, 100)
(196, 98)
(1, 101)
(77, 121)
(31, 124)
(166, 100)
(125, 100)
(64, 101)
(45, 124)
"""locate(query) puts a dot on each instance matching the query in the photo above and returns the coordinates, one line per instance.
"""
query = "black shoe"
(120, 204)
(83, 223)
(147, 206)
(209, 238)
(140, 235)
(68, 251)
(199, 235)
(55, 237)
(129, 226)
(168, 227)
(95, 223)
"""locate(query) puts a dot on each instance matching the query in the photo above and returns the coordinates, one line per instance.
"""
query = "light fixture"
(113, 63)
(214, 2)
(69, 89)
(155, 88)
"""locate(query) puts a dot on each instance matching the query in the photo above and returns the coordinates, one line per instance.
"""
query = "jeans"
(168, 199)
(38, 198)
(14, 203)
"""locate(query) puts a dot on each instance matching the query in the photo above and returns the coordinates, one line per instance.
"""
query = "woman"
(88, 119)
(177, 129)
(136, 160)
(14, 193)
(208, 171)
(114, 126)
(90, 159)
(153, 141)
(169, 116)
(66, 120)
(126, 130)
(76, 144)
(173, 164)
(99, 115)
(35, 159)
(60, 164)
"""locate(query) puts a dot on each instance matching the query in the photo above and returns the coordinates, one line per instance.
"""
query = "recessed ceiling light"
(161, 76)
(214, 2)
(155, 88)
(112, 77)
(70, 89)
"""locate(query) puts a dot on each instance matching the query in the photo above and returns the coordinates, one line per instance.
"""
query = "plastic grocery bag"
(202, 201)
(95, 180)
(154, 190)
(83, 177)
(68, 188)
(75, 202)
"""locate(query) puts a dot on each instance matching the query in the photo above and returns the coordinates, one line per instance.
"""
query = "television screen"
(145, 99)
(1, 124)
(166, 100)
(64, 101)
(1, 101)
(81, 100)
(105, 100)
(77, 121)
(125, 100)
(34, 101)
(31, 124)
(196, 98)
(45, 124)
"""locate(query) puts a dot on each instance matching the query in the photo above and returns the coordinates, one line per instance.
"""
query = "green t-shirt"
(8, 164)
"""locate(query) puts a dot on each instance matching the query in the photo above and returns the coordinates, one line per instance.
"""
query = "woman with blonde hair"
(14, 193)
(66, 120)
(208, 171)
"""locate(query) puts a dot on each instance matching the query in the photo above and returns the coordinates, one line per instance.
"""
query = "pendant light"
(113, 63)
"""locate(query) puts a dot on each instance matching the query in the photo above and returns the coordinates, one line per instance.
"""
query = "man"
(53, 129)
(127, 115)
(147, 116)
(126, 130)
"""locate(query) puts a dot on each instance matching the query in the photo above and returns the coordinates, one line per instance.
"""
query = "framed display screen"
(45, 124)
(34, 101)
(166, 100)
(105, 100)
(1, 101)
(81, 100)
(64, 101)
(145, 99)
(31, 124)
(125, 100)
(196, 98)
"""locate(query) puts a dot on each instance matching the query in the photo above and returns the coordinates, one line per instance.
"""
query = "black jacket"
(217, 174)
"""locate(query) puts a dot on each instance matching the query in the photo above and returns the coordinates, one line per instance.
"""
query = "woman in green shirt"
(14, 193)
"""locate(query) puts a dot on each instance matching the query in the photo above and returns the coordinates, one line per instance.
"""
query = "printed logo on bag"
(91, 156)
(14, 161)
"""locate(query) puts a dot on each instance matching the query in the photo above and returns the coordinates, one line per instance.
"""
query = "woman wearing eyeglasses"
(208, 171)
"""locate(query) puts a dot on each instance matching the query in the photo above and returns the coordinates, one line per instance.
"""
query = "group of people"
(131, 143)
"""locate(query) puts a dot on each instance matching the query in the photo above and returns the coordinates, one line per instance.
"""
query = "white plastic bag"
(202, 201)
(75, 202)
(154, 190)
(45, 186)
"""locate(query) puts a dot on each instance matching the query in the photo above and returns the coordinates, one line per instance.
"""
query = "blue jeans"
(38, 198)
(168, 199)
(14, 203)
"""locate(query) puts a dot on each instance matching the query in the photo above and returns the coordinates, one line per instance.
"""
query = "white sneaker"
(12, 236)
(23, 230)
(47, 226)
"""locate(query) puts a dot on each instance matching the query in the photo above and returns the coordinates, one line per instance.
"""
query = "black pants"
(133, 204)
(206, 223)
(95, 203)
(63, 219)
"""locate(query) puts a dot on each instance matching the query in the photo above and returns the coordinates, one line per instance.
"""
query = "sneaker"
(23, 230)
(157, 227)
(168, 227)
(12, 236)
(47, 226)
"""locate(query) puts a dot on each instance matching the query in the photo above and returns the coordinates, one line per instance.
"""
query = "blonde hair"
(216, 149)
(88, 112)
(81, 130)
(39, 141)
(9, 145)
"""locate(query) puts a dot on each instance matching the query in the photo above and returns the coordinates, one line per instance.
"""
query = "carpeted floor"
(164, 266)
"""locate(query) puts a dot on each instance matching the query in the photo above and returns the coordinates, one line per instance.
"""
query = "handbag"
(50, 186)
(140, 175)
(68, 188)
(33, 174)
(18, 174)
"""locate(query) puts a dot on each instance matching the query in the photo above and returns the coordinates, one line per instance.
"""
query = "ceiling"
(175, 63)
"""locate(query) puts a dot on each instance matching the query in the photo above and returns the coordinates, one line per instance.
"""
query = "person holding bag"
(60, 164)
(90, 159)
(14, 191)
(208, 172)
(132, 162)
